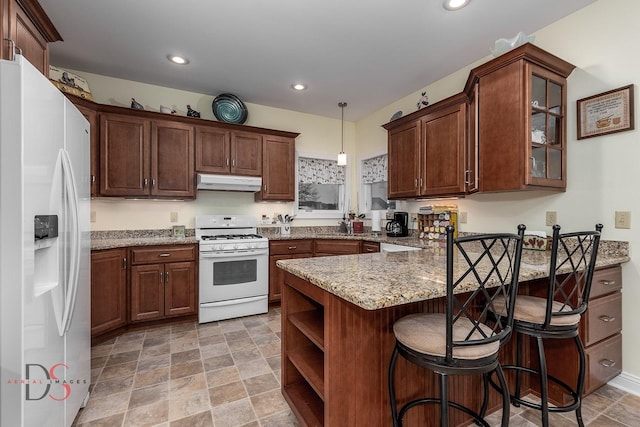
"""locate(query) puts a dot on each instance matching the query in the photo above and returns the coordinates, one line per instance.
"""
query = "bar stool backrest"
(480, 268)
(573, 261)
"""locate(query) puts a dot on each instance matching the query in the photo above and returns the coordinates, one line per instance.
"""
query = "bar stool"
(556, 316)
(462, 341)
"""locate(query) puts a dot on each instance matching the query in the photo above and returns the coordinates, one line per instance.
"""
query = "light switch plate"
(463, 218)
(174, 216)
(552, 218)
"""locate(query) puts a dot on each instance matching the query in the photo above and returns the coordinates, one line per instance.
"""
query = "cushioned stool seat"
(465, 340)
(427, 333)
(534, 309)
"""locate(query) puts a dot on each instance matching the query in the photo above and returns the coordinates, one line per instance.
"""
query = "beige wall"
(602, 172)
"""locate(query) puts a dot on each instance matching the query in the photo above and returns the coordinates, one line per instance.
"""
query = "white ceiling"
(368, 53)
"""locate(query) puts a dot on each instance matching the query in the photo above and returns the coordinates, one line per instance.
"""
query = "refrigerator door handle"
(74, 262)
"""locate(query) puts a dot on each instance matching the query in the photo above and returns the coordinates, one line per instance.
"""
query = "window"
(321, 186)
(373, 178)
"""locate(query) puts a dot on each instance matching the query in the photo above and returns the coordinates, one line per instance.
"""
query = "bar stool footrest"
(519, 401)
(434, 400)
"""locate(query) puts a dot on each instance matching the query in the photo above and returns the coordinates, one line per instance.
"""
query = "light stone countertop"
(381, 280)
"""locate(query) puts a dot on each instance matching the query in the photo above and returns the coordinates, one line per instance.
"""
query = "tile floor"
(227, 374)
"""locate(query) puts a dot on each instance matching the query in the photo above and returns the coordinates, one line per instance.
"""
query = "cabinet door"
(172, 160)
(92, 118)
(404, 160)
(180, 288)
(124, 155)
(276, 275)
(27, 37)
(278, 169)
(108, 290)
(147, 292)
(545, 157)
(246, 154)
(444, 137)
(212, 150)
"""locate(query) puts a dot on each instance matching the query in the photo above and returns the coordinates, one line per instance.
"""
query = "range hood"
(229, 182)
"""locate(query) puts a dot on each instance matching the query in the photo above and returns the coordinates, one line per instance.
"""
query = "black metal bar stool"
(462, 340)
(556, 316)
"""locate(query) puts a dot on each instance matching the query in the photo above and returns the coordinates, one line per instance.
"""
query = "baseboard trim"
(627, 382)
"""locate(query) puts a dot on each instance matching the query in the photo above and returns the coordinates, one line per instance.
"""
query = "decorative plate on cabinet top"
(228, 108)
(396, 115)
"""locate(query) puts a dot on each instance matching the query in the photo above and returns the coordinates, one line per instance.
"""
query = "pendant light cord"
(342, 105)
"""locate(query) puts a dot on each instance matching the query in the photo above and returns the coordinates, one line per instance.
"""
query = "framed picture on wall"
(606, 112)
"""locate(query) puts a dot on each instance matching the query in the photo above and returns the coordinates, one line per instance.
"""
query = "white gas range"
(234, 267)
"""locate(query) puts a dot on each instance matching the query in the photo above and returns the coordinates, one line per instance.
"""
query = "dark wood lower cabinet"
(163, 289)
(108, 290)
(140, 286)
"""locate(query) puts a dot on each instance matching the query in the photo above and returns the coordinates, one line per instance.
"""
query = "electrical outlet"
(552, 218)
(463, 218)
(174, 216)
(414, 217)
(93, 216)
(623, 219)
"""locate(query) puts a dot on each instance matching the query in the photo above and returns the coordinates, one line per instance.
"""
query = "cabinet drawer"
(606, 281)
(163, 254)
(284, 247)
(368, 247)
(603, 318)
(337, 247)
(604, 361)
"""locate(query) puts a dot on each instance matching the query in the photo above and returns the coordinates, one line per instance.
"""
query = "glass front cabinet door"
(547, 128)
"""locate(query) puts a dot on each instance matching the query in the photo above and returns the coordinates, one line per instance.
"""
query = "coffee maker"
(399, 225)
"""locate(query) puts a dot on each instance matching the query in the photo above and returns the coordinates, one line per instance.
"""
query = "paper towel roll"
(375, 221)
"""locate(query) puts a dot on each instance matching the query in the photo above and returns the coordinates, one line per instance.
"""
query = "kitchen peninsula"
(337, 337)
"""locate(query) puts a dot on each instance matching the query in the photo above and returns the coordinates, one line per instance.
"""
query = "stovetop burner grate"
(232, 237)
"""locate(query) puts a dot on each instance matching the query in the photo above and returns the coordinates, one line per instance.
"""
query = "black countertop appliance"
(399, 225)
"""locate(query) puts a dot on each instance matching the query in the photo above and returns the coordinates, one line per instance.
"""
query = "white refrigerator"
(45, 317)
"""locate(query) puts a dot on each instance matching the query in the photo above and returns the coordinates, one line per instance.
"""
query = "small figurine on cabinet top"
(167, 110)
(191, 112)
(136, 105)
(423, 101)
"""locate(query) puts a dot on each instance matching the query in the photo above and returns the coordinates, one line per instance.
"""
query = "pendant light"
(342, 157)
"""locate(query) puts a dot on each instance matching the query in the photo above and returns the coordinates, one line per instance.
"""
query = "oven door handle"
(232, 301)
(234, 253)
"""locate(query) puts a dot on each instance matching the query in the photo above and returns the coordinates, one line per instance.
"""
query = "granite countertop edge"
(382, 280)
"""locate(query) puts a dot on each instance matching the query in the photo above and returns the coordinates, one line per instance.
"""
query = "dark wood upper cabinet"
(428, 153)
(25, 23)
(520, 121)
(172, 153)
(246, 154)
(278, 169)
(94, 140)
(124, 155)
(213, 153)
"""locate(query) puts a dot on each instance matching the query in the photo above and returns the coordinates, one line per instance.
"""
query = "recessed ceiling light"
(298, 86)
(455, 4)
(176, 59)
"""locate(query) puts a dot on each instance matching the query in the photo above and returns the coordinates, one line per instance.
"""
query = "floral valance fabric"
(320, 171)
(374, 169)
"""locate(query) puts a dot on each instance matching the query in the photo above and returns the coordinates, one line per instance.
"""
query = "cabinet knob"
(145, 182)
(416, 183)
(153, 182)
(607, 363)
(165, 255)
(292, 248)
(607, 282)
(93, 179)
(265, 188)
(227, 161)
(166, 277)
(124, 263)
(606, 318)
